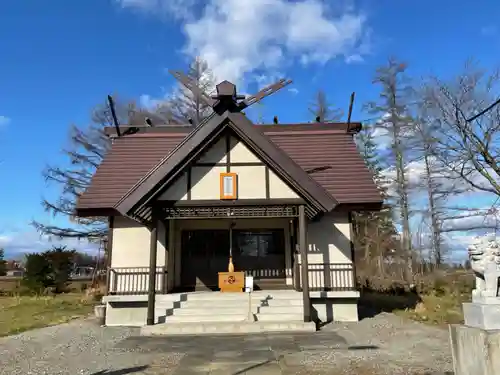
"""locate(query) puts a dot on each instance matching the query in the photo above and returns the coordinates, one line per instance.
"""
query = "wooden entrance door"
(205, 253)
(261, 253)
(257, 252)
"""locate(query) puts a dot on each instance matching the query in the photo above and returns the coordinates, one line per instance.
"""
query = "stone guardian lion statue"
(484, 255)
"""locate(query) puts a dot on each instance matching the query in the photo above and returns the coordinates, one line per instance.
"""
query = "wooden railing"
(135, 280)
(333, 277)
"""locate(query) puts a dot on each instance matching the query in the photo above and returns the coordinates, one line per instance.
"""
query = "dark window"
(205, 243)
(258, 243)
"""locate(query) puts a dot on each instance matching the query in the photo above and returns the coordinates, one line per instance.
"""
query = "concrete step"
(279, 317)
(206, 318)
(284, 302)
(223, 299)
(280, 309)
(171, 297)
(211, 328)
(214, 310)
(286, 297)
(218, 296)
(283, 293)
(226, 303)
(166, 305)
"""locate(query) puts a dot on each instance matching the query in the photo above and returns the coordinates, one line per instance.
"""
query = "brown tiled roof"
(129, 159)
(339, 166)
(329, 149)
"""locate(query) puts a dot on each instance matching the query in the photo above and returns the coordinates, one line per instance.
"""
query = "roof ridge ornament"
(227, 98)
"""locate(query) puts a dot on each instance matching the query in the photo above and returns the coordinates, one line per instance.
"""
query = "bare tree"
(260, 113)
(470, 149)
(321, 109)
(423, 145)
(395, 124)
(87, 147)
(184, 106)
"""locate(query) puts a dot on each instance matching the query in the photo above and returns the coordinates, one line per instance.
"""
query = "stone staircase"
(217, 313)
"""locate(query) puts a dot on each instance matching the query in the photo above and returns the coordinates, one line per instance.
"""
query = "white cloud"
(354, 58)
(16, 243)
(461, 240)
(4, 120)
(238, 37)
(479, 220)
(148, 102)
(414, 172)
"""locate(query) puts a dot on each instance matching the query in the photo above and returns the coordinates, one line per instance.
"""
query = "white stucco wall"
(131, 244)
(130, 249)
(329, 241)
(251, 179)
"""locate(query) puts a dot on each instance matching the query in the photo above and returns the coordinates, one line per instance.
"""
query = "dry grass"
(436, 309)
(435, 297)
(18, 314)
(12, 285)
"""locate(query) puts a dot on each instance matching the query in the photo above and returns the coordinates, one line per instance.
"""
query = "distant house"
(15, 273)
(13, 265)
(82, 272)
(14, 268)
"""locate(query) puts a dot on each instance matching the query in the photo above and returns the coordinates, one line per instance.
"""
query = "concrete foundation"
(126, 314)
(276, 306)
(475, 351)
(335, 309)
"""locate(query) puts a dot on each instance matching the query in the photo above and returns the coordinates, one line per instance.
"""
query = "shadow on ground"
(373, 303)
(253, 367)
(123, 371)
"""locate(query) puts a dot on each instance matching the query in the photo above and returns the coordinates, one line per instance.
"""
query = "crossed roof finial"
(227, 98)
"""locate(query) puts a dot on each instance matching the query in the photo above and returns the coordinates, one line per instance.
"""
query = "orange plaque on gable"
(228, 186)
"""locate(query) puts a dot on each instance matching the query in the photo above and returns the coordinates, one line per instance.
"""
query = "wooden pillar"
(304, 263)
(153, 250)
(171, 255)
(109, 250)
(353, 250)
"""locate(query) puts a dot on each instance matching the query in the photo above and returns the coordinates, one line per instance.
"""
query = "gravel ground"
(399, 346)
(385, 344)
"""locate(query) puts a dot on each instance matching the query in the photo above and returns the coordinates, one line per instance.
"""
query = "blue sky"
(59, 58)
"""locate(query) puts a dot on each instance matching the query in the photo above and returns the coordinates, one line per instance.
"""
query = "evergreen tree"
(374, 230)
(61, 264)
(50, 269)
(396, 123)
(37, 273)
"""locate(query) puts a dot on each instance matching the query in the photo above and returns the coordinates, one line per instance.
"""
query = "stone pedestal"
(475, 351)
(483, 315)
(476, 344)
